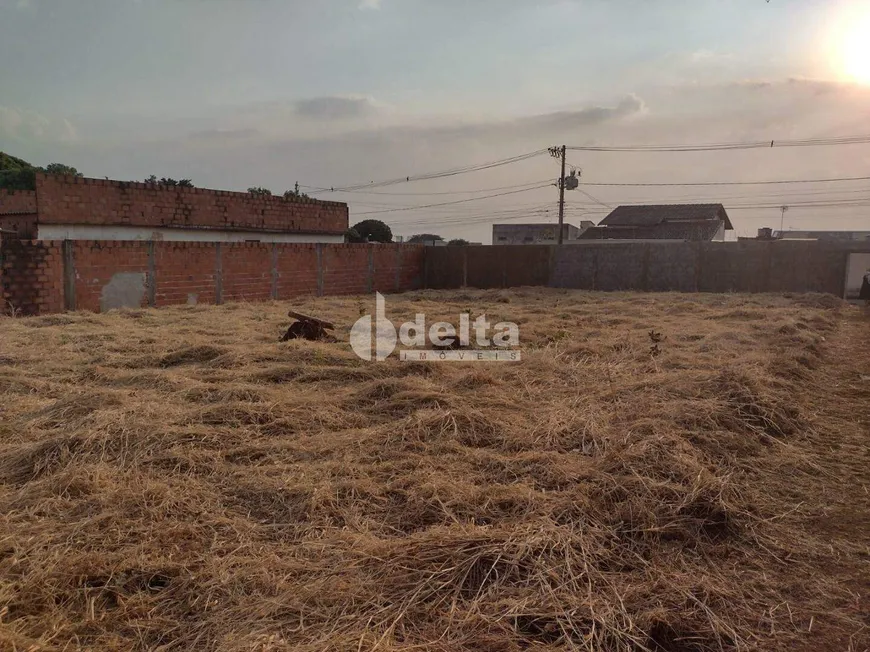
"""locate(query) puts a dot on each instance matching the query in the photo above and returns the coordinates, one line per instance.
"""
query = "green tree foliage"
(458, 242)
(423, 237)
(18, 174)
(295, 193)
(261, 192)
(353, 236)
(61, 169)
(373, 231)
(168, 181)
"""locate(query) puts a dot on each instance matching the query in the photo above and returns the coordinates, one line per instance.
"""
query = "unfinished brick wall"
(17, 201)
(41, 277)
(18, 212)
(31, 277)
(76, 200)
(106, 273)
(185, 272)
(246, 272)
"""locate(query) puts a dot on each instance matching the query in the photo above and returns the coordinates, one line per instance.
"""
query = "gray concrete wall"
(747, 266)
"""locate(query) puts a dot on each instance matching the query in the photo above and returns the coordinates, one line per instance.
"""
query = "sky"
(334, 93)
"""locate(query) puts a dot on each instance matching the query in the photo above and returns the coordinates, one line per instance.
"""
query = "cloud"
(24, 125)
(223, 135)
(370, 4)
(334, 108)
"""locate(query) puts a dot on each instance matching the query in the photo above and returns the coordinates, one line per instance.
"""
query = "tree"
(16, 173)
(259, 191)
(169, 181)
(295, 193)
(423, 237)
(373, 231)
(61, 169)
(458, 242)
(352, 236)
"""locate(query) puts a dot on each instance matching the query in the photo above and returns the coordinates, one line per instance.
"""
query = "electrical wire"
(436, 175)
(727, 183)
(447, 192)
(710, 147)
(449, 203)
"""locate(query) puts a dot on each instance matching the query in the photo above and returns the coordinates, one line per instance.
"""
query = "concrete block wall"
(781, 266)
(40, 277)
(77, 200)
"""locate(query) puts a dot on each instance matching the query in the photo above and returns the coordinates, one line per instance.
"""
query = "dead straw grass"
(178, 479)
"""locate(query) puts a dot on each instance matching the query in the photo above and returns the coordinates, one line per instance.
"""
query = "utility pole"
(559, 152)
(782, 219)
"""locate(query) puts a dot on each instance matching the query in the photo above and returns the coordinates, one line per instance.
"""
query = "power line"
(860, 201)
(450, 203)
(709, 147)
(422, 194)
(437, 175)
(728, 183)
(781, 196)
(595, 199)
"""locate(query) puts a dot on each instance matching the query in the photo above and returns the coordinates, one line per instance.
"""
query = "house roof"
(654, 214)
(678, 230)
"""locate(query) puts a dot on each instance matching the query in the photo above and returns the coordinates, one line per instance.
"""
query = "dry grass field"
(180, 480)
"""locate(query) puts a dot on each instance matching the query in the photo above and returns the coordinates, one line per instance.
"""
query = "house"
(693, 222)
(524, 234)
(828, 236)
(77, 208)
(766, 233)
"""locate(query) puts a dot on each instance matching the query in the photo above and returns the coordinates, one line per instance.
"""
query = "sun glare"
(853, 48)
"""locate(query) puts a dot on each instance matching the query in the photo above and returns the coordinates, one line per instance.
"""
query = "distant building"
(526, 234)
(834, 236)
(693, 222)
(766, 233)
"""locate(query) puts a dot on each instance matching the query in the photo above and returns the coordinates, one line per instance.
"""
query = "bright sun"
(853, 49)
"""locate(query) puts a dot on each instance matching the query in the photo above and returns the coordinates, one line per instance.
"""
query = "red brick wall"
(31, 277)
(297, 269)
(185, 272)
(168, 273)
(412, 266)
(98, 261)
(345, 269)
(18, 212)
(22, 225)
(17, 201)
(246, 271)
(72, 200)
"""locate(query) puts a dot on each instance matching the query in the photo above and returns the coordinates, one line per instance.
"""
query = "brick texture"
(345, 269)
(17, 201)
(98, 261)
(31, 277)
(296, 266)
(185, 272)
(75, 200)
(21, 225)
(18, 213)
(246, 271)
(42, 277)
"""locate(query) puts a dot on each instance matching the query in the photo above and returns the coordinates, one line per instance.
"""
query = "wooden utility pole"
(559, 152)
